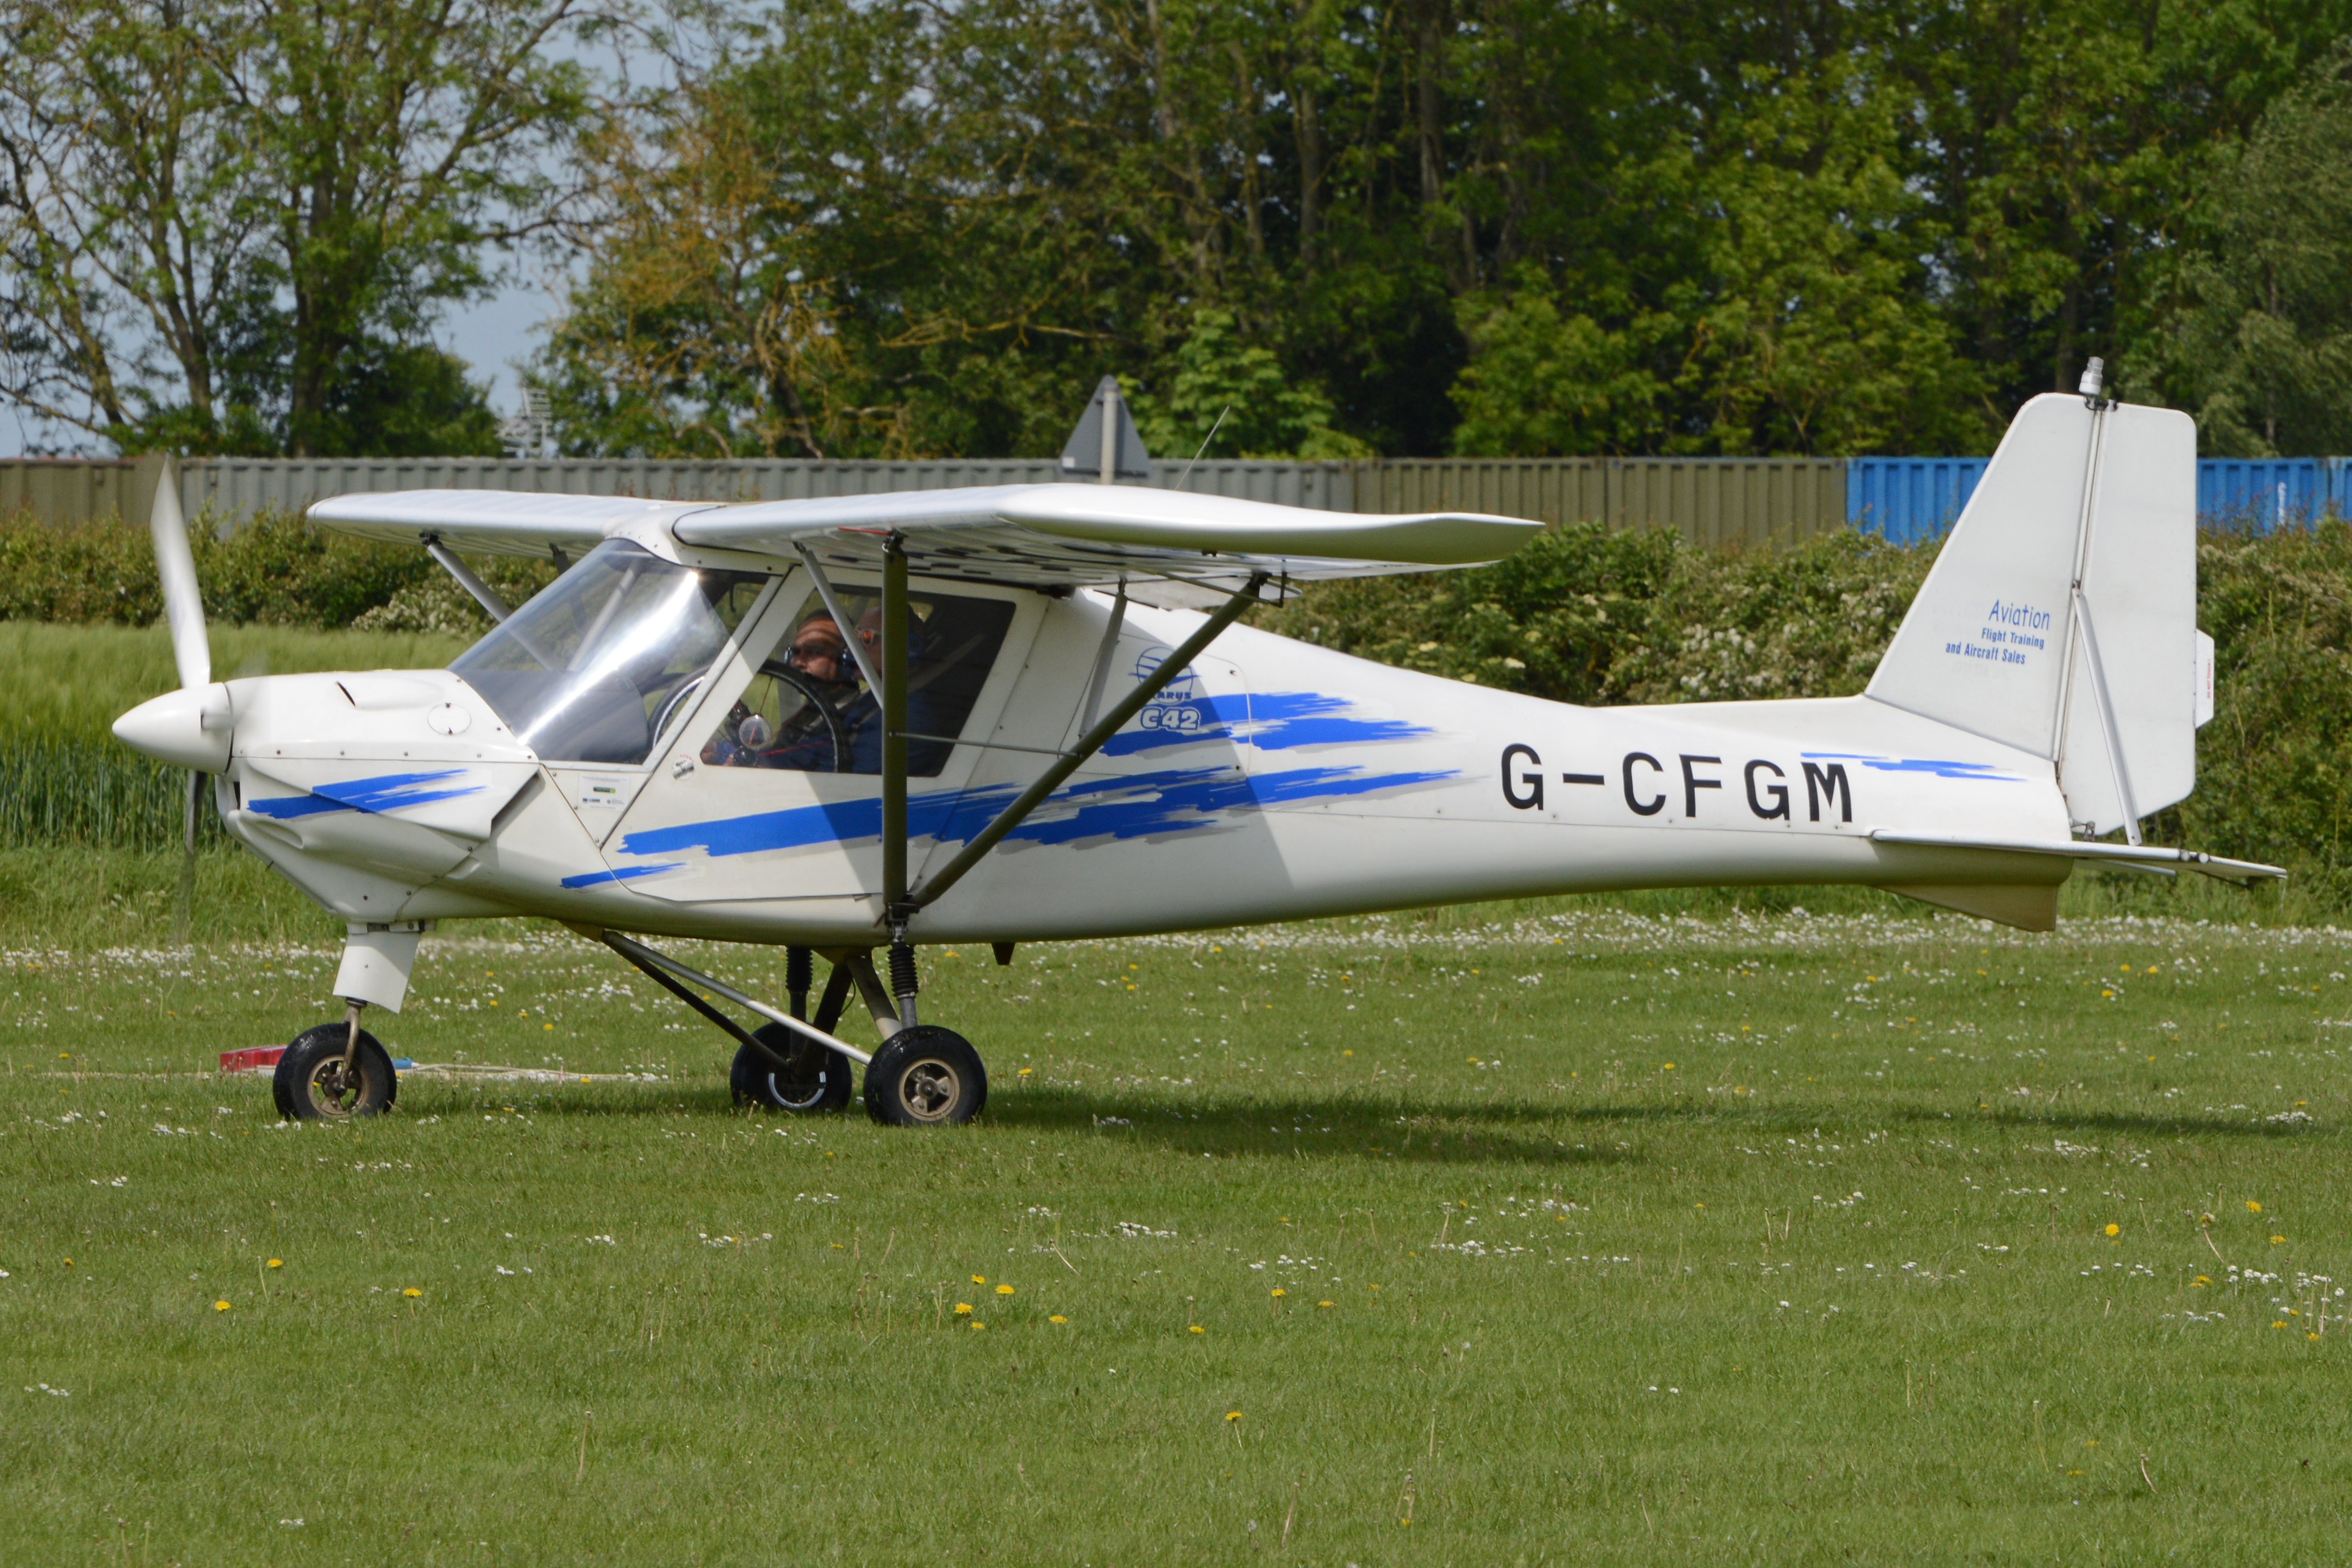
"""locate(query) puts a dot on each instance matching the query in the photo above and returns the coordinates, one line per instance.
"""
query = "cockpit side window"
(808, 710)
(597, 665)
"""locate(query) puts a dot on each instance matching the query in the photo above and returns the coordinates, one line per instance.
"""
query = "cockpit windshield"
(596, 666)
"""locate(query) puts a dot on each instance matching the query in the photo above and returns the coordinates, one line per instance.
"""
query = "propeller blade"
(175, 564)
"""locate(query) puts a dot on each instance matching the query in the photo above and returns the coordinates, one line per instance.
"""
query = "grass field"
(63, 778)
(1565, 1236)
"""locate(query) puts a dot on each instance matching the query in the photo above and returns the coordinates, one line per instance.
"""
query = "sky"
(491, 337)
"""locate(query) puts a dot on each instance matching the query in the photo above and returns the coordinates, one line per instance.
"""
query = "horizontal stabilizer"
(2147, 855)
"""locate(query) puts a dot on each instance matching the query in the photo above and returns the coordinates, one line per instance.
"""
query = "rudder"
(2061, 617)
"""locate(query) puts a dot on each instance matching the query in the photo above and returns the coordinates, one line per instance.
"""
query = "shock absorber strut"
(903, 983)
(799, 975)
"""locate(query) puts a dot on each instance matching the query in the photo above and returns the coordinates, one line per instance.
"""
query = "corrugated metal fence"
(1750, 501)
(1907, 500)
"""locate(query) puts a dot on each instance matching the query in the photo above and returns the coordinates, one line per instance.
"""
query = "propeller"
(176, 565)
(189, 727)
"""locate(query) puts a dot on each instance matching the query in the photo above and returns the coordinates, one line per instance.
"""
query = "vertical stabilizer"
(2061, 617)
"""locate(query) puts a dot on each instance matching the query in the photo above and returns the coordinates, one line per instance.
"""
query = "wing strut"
(901, 905)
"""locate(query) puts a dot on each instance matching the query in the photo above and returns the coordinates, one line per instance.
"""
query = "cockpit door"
(772, 790)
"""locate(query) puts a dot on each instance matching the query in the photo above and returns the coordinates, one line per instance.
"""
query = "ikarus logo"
(1177, 708)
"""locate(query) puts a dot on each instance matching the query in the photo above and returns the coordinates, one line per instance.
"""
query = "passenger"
(864, 716)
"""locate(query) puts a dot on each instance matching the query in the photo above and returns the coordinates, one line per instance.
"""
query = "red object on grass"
(252, 1060)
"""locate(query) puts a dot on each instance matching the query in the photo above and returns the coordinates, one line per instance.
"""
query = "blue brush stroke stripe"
(589, 878)
(1942, 770)
(1282, 719)
(382, 793)
(286, 807)
(1141, 804)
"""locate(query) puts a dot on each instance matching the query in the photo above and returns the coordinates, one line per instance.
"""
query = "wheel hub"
(929, 1089)
(334, 1088)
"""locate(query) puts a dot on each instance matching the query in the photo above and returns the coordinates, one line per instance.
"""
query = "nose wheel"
(325, 1075)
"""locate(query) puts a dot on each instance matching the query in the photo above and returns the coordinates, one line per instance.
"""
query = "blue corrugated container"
(2266, 493)
(1906, 500)
(2339, 485)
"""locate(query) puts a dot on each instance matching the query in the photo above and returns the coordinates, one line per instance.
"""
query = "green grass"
(74, 682)
(64, 780)
(1833, 1286)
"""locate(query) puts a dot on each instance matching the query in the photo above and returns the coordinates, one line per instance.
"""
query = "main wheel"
(311, 1084)
(924, 1076)
(815, 1079)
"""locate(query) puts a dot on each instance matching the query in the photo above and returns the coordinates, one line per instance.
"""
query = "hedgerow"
(1583, 615)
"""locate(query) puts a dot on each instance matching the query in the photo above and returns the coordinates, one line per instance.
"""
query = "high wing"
(1039, 536)
(490, 522)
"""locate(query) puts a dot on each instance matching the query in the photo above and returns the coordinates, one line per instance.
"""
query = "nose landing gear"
(332, 1072)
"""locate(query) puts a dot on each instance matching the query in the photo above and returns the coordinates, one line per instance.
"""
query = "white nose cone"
(188, 729)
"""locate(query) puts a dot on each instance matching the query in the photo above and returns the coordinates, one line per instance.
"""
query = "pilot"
(820, 656)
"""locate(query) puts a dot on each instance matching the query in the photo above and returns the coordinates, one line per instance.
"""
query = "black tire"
(817, 1079)
(925, 1077)
(308, 1089)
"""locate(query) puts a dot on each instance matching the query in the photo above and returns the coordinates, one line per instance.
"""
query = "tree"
(902, 228)
(2255, 328)
(230, 226)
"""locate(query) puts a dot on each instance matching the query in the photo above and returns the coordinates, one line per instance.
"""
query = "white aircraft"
(970, 715)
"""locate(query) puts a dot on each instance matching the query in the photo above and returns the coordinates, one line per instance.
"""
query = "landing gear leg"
(789, 1064)
(924, 1075)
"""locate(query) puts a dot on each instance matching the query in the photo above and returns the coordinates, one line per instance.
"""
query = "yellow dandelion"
(1668, 1066)
(277, 1263)
(220, 1306)
(1278, 1290)
(978, 1324)
(1197, 1329)
(2276, 1239)
(1233, 1415)
(412, 1290)
(1057, 1318)
(1326, 1303)
(2311, 1336)
(980, 1278)
(2200, 1280)
(1022, 1073)
(1005, 1289)
(963, 1309)
(2253, 1207)
(2114, 1231)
